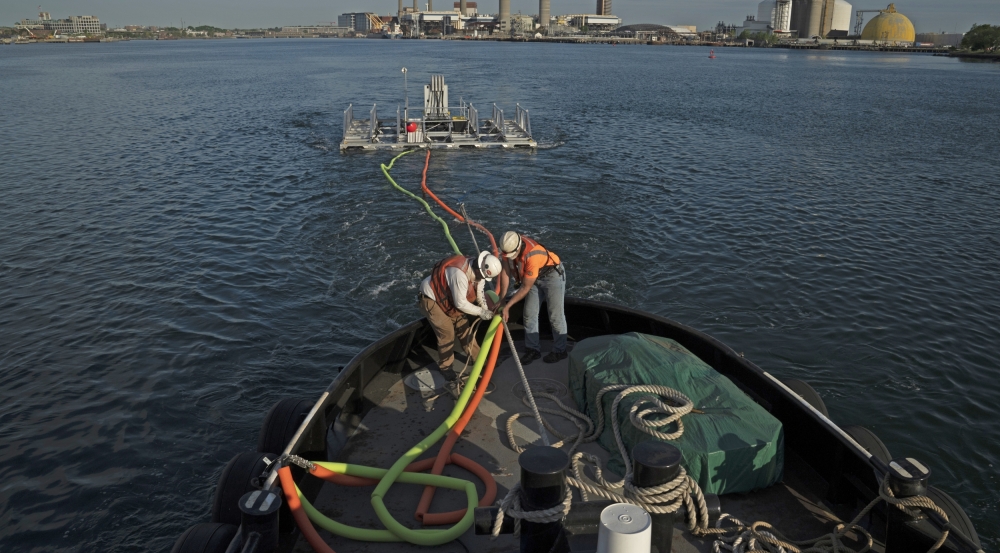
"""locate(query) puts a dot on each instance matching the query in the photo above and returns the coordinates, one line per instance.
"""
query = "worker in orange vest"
(448, 295)
(535, 269)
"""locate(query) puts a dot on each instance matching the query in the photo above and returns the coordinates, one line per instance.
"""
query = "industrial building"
(362, 22)
(802, 18)
(821, 18)
(74, 24)
(465, 18)
(890, 27)
(654, 32)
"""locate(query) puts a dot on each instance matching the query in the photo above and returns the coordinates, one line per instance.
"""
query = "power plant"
(821, 18)
(829, 19)
(465, 18)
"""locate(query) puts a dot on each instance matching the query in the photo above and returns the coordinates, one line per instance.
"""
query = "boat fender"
(872, 444)
(281, 423)
(206, 537)
(806, 392)
(957, 517)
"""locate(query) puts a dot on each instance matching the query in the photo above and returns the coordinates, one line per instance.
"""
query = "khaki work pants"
(446, 329)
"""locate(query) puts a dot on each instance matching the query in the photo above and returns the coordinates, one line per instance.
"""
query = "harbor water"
(183, 244)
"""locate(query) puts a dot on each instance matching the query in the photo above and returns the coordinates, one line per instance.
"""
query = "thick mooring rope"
(647, 415)
(510, 506)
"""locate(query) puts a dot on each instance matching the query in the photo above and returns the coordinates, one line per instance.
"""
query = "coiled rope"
(649, 413)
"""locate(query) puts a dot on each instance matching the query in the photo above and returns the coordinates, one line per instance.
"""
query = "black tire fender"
(956, 514)
(281, 423)
(206, 537)
(806, 392)
(237, 479)
(872, 444)
(868, 440)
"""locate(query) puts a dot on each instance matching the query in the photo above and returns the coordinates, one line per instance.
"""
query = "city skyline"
(927, 15)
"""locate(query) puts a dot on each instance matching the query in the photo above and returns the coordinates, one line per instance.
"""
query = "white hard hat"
(510, 243)
(489, 265)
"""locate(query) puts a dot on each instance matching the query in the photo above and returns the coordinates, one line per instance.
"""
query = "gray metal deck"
(403, 418)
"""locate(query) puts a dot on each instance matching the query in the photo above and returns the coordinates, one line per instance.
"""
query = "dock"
(437, 125)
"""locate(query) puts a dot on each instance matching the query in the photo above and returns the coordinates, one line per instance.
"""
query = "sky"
(927, 15)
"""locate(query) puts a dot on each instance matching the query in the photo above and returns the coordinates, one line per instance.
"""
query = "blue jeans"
(553, 286)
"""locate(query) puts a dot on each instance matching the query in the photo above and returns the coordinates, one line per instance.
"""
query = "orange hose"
(423, 185)
(445, 455)
(301, 518)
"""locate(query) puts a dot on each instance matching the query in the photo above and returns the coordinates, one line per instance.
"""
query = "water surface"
(183, 245)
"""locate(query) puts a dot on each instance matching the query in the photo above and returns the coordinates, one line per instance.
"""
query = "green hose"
(394, 530)
(444, 225)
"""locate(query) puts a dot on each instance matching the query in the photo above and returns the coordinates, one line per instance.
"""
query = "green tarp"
(735, 446)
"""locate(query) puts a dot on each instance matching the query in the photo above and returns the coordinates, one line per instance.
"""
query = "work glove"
(486, 315)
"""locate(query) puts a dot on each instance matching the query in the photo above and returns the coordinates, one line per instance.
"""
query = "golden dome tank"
(889, 26)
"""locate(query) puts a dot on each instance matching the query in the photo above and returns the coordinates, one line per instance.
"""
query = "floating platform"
(437, 126)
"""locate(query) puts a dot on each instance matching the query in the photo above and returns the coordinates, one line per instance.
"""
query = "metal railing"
(498, 120)
(473, 120)
(522, 120)
(348, 118)
(400, 131)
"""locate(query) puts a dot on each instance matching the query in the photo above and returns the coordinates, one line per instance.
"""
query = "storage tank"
(841, 16)
(815, 19)
(504, 16)
(765, 11)
(889, 26)
(800, 17)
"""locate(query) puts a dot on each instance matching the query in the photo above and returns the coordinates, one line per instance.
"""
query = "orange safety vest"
(530, 249)
(442, 291)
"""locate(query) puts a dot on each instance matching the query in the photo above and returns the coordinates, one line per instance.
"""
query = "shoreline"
(937, 51)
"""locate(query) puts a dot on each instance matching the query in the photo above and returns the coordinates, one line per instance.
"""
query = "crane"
(861, 19)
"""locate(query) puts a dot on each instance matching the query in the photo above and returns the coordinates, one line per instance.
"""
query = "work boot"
(529, 356)
(554, 356)
(448, 374)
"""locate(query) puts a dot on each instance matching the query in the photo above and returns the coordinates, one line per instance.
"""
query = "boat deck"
(404, 417)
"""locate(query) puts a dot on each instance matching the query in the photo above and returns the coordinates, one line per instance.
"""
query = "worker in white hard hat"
(535, 270)
(448, 295)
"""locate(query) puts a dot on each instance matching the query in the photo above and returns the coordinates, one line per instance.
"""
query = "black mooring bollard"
(655, 463)
(543, 485)
(259, 519)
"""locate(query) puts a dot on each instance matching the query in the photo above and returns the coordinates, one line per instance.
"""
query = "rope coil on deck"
(648, 414)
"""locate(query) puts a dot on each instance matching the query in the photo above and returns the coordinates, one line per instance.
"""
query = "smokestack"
(603, 7)
(399, 14)
(504, 16)
(543, 14)
(415, 7)
(462, 8)
(430, 5)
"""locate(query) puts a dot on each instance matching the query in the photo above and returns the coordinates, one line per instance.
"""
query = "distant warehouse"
(76, 24)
